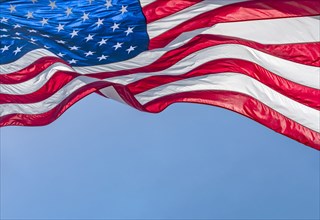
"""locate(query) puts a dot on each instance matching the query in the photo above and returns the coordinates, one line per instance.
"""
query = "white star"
(129, 31)
(99, 22)
(90, 1)
(16, 26)
(44, 35)
(4, 20)
(52, 5)
(47, 47)
(74, 33)
(5, 48)
(33, 1)
(89, 37)
(4, 30)
(89, 53)
(60, 27)
(72, 61)
(61, 54)
(44, 21)
(29, 15)
(33, 40)
(117, 46)
(103, 41)
(17, 33)
(17, 50)
(103, 57)
(32, 31)
(123, 9)
(18, 38)
(115, 26)
(69, 11)
(61, 42)
(131, 48)
(4, 35)
(108, 4)
(74, 48)
(12, 8)
(85, 16)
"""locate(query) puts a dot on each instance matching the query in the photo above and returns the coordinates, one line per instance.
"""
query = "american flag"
(259, 58)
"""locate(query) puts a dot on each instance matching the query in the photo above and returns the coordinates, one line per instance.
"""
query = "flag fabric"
(259, 58)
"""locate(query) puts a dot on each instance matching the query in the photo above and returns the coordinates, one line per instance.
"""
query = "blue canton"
(87, 32)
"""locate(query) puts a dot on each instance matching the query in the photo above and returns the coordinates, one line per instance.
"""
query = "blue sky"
(104, 160)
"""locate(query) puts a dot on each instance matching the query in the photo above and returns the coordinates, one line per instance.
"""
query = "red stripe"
(30, 71)
(246, 106)
(160, 9)
(53, 114)
(305, 95)
(54, 84)
(243, 11)
(304, 53)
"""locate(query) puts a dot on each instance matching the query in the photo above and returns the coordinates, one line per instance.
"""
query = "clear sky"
(104, 160)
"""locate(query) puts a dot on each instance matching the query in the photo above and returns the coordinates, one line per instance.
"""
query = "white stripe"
(302, 114)
(25, 61)
(160, 26)
(148, 57)
(295, 72)
(144, 58)
(49, 103)
(112, 93)
(272, 31)
(35, 83)
(146, 2)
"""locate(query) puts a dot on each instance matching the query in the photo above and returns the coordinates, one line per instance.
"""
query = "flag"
(258, 58)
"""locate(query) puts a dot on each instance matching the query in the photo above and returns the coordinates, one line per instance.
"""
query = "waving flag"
(259, 58)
